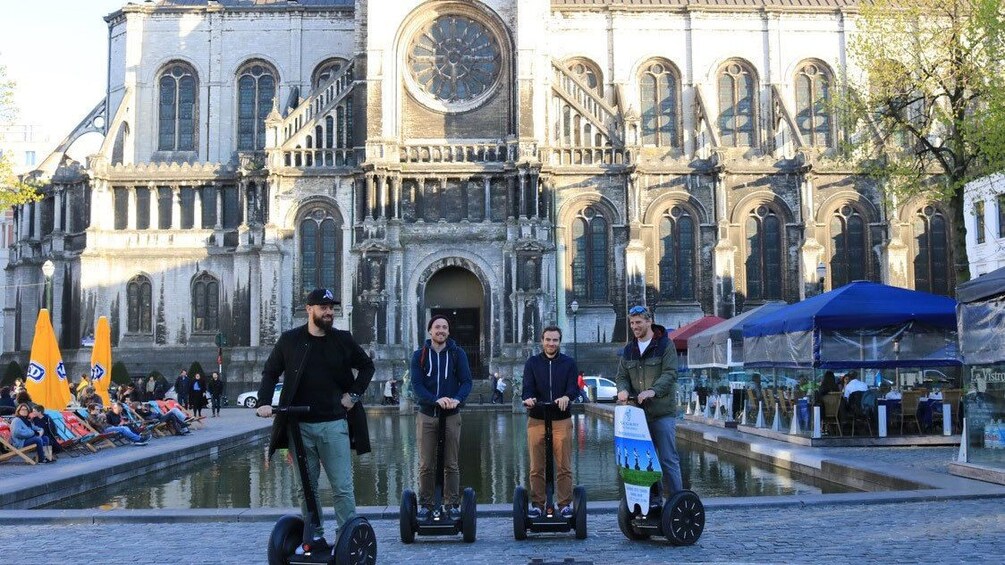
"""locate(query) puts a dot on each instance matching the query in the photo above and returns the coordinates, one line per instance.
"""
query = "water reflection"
(493, 461)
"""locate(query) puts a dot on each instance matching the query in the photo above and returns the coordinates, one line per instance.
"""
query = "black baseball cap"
(320, 296)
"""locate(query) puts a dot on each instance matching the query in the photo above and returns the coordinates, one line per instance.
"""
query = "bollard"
(776, 423)
(947, 419)
(760, 414)
(962, 456)
(816, 422)
(687, 411)
(882, 420)
(743, 415)
(706, 413)
(794, 429)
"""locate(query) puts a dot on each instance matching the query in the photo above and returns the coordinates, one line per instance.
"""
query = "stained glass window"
(454, 59)
(659, 89)
(764, 254)
(177, 108)
(677, 241)
(256, 88)
(737, 106)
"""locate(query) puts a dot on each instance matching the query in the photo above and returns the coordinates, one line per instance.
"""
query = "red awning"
(680, 335)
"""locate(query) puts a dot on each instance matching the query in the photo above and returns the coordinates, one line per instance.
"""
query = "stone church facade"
(496, 160)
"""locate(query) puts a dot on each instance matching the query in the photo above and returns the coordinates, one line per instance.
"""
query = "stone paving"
(959, 521)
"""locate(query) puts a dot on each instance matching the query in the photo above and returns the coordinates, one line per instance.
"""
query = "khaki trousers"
(426, 431)
(561, 441)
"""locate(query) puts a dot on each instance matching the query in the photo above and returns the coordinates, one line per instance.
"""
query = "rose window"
(454, 59)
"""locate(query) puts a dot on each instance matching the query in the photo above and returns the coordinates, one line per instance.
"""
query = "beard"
(323, 322)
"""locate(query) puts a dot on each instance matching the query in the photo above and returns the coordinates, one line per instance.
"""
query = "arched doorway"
(456, 293)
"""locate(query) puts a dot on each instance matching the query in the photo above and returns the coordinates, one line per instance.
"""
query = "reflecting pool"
(493, 461)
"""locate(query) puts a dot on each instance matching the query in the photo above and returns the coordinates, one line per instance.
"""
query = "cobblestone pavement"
(945, 532)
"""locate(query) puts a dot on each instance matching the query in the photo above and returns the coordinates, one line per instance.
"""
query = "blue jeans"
(126, 432)
(327, 443)
(664, 433)
(39, 442)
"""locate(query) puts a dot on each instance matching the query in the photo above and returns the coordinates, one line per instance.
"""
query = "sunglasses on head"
(638, 311)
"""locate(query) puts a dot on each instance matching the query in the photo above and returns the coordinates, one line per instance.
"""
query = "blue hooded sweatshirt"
(435, 375)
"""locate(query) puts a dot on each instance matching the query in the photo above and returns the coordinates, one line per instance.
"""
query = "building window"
(177, 109)
(256, 89)
(588, 73)
(813, 93)
(231, 208)
(454, 58)
(737, 106)
(764, 254)
(659, 89)
(208, 207)
(121, 208)
(205, 303)
(326, 70)
(848, 258)
(589, 262)
(979, 221)
(187, 197)
(29, 158)
(142, 208)
(1001, 215)
(319, 251)
(165, 202)
(677, 242)
(931, 263)
(139, 303)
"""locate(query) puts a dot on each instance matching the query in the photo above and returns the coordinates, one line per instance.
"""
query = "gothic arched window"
(589, 261)
(454, 58)
(177, 108)
(205, 303)
(139, 304)
(588, 73)
(737, 105)
(320, 250)
(677, 241)
(256, 89)
(660, 92)
(813, 94)
(326, 70)
(763, 231)
(849, 258)
(931, 264)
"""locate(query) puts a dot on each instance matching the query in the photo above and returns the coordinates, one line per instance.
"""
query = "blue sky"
(56, 51)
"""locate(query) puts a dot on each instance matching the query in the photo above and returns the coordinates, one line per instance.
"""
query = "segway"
(438, 522)
(551, 519)
(643, 512)
(356, 544)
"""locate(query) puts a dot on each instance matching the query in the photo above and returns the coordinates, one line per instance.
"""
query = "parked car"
(250, 399)
(607, 390)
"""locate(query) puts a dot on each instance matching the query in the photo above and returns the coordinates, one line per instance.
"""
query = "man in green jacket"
(647, 370)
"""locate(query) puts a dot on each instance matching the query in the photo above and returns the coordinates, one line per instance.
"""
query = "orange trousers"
(561, 441)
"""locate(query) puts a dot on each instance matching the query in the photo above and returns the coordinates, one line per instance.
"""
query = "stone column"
(420, 207)
(131, 208)
(522, 195)
(488, 198)
(36, 209)
(368, 197)
(175, 207)
(57, 219)
(155, 206)
(396, 196)
(219, 206)
(197, 208)
(535, 189)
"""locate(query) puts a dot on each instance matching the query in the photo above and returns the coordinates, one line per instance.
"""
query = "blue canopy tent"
(721, 346)
(860, 325)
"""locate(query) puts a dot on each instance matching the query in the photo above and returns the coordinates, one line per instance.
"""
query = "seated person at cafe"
(827, 385)
(755, 387)
(852, 384)
(174, 417)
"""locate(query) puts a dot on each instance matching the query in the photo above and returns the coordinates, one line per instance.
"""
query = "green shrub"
(120, 375)
(12, 373)
(196, 368)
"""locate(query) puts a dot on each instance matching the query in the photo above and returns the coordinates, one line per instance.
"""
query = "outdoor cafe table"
(927, 405)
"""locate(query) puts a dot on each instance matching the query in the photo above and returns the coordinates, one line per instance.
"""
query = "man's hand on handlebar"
(622, 396)
(530, 402)
(646, 395)
(264, 411)
(447, 403)
(562, 402)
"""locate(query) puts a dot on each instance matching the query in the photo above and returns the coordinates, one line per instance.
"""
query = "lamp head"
(48, 268)
(574, 306)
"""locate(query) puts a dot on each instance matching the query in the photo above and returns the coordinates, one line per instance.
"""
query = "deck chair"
(7, 443)
(81, 414)
(167, 405)
(81, 427)
(832, 406)
(134, 419)
(72, 443)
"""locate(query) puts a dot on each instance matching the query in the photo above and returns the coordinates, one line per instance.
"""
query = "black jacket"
(215, 388)
(287, 359)
(547, 379)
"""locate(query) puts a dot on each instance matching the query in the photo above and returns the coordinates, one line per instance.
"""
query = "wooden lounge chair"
(167, 405)
(71, 443)
(7, 443)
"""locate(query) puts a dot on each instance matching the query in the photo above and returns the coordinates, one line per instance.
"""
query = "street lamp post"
(575, 335)
(821, 275)
(48, 269)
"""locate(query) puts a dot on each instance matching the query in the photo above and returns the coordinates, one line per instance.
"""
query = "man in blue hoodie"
(550, 376)
(441, 381)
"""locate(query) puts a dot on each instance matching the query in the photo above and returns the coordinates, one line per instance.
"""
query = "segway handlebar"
(291, 409)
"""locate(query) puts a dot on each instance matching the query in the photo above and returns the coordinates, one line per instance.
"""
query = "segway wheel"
(625, 523)
(469, 515)
(407, 516)
(579, 509)
(357, 544)
(520, 514)
(286, 536)
(683, 518)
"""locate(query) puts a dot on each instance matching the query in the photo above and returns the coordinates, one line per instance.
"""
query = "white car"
(250, 399)
(607, 390)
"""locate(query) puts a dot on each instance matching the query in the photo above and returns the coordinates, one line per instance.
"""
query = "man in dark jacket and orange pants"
(550, 376)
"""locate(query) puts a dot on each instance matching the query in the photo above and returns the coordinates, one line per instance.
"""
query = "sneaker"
(534, 512)
(138, 443)
(424, 512)
(454, 513)
(567, 511)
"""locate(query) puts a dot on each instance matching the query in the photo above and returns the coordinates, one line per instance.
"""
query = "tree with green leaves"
(928, 101)
(12, 190)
